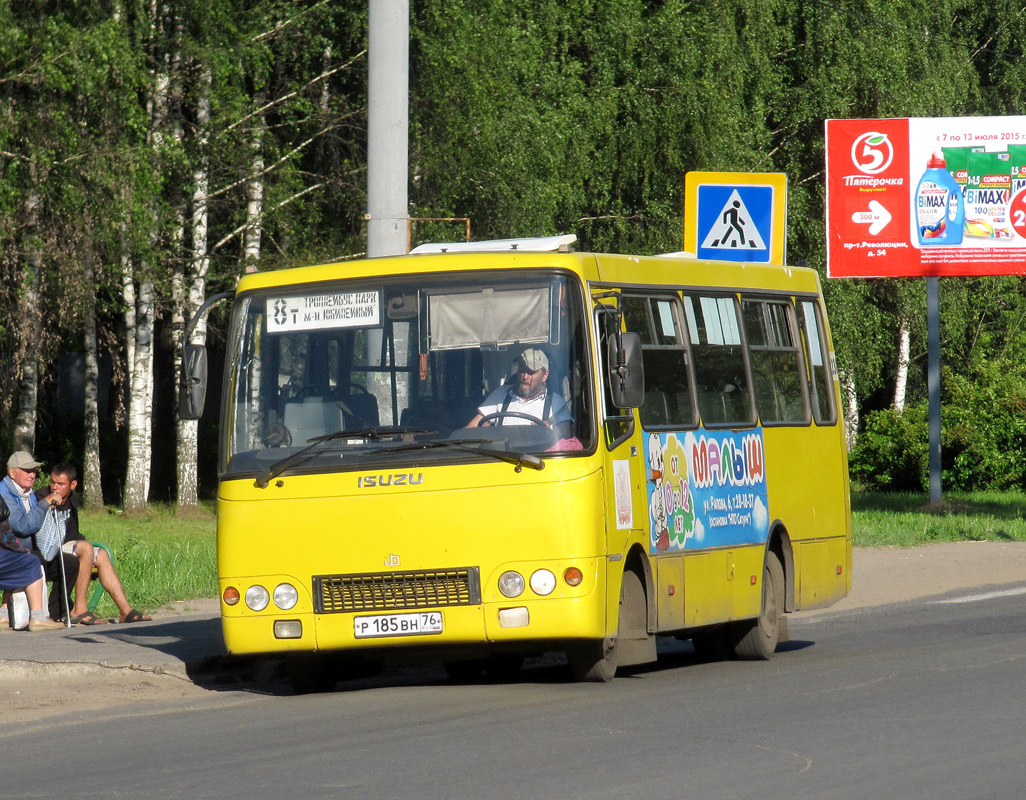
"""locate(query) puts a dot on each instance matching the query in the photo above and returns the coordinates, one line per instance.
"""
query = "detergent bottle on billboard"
(940, 206)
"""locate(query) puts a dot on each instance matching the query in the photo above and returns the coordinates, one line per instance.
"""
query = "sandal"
(87, 619)
(135, 616)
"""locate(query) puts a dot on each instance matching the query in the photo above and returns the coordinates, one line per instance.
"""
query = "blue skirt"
(18, 570)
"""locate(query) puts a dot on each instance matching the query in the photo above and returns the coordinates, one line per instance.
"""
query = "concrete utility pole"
(388, 127)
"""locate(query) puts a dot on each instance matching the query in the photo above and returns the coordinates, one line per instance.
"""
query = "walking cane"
(64, 579)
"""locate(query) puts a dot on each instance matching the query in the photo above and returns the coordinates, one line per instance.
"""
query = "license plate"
(419, 624)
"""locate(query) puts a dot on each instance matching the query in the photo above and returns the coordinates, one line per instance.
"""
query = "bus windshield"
(425, 368)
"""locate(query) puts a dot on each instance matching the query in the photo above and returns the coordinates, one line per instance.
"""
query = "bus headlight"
(257, 598)
(285, 596)
(511, 584)
(543, 582)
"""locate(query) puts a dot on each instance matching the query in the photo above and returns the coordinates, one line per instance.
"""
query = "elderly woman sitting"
(20, 570)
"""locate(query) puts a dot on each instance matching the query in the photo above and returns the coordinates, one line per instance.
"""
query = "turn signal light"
(573, 576)
(231, 596)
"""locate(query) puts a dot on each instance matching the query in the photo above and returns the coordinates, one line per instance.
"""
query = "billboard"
(939, 196)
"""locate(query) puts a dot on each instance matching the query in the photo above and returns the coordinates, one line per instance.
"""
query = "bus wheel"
(593, 660)
(311, 673)
(597, 660)
(757, 639)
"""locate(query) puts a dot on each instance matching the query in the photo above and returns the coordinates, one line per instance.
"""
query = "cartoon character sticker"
(671, 504)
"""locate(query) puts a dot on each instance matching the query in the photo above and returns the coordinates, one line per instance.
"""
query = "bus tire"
(311, 673)
(594, 661)
(757, 639)
(597, 661)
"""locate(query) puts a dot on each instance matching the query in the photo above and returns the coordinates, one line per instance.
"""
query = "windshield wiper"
(519, 460)
(380, 433)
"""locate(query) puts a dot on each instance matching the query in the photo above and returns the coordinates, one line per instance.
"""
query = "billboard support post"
(933, 385)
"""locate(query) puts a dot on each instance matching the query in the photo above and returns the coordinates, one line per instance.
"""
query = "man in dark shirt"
(63, 482)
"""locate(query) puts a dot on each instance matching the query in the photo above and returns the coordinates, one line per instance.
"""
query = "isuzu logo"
(393, 479)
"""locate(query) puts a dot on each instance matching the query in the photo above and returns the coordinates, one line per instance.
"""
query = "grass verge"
(161, 556)
(882, 519)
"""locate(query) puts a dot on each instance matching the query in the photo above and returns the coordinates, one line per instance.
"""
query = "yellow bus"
(478, 453)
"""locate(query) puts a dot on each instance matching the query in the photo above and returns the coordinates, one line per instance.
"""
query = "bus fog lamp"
(288, 629)
(257, 598)
(514, 617)
(573, 576)
(231, 596)
(511, 584)
(285, 596)
(543, 582)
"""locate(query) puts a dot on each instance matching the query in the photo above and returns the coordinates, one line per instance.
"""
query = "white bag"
(50, 536)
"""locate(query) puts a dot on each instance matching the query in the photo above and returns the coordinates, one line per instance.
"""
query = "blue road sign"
(735, 222)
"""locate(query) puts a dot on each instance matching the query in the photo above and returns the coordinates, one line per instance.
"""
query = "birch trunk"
(29, 329)
(137, 478)
(92, 487)
(140, 404)
(901, 375)
(198, 263)
(851, 415)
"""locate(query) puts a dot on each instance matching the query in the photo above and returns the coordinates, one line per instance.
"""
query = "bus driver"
(528, 395)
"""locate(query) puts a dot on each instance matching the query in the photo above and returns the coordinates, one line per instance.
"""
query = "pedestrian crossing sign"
(736, 216)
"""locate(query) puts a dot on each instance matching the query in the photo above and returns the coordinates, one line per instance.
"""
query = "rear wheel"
(757, 639)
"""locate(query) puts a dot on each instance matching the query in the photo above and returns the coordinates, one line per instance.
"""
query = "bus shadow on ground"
(268, 675)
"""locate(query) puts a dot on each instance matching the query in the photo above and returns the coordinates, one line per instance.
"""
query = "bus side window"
(721, 377)
(669, 399)
(776, 362)
(820, 383)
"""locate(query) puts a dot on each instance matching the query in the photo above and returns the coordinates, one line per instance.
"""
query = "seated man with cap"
(26, 518)
(528, 395)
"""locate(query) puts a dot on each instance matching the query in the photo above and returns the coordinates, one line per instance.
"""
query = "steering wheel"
(518, 414)
(278, 436)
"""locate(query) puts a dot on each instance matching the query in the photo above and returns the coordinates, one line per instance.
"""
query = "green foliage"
(905, 519)
(983, 441)
(160, 557)
(892, 452)
(528, 117)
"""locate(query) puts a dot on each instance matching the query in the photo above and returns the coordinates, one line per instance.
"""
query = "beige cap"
(22, 459)
(534, 359)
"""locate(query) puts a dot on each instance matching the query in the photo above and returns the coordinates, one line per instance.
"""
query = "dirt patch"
(883, 575)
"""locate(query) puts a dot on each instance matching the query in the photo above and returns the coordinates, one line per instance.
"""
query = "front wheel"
(757, 639)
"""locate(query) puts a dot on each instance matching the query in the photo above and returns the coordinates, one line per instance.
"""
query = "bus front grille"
(386, 591)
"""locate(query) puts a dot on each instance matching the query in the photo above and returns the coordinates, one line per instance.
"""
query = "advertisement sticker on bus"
(708, 490)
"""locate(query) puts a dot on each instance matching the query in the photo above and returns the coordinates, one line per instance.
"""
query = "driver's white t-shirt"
(535, 407)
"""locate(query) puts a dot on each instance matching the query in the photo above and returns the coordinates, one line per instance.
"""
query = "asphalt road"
(913, 700)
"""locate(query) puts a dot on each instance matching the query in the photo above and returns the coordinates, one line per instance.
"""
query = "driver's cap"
(534, 359)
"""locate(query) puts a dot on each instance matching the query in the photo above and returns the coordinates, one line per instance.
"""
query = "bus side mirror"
(626, 371)
(192, 388)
